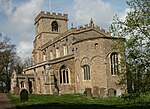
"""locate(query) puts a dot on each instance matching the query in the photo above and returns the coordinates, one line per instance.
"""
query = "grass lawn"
(78, 101)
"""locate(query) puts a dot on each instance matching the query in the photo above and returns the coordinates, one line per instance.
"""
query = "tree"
(136, 29)
(27, 62)
(18, 65)
(7, 60)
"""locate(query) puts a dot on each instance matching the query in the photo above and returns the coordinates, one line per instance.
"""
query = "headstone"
(102, 92)
(24, 95)
(111, 92)
(56, 91)
(16, 90)
(88, 93)
(96, 91)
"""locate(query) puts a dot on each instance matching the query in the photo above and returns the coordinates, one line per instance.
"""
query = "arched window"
(57, 53)
(86, 72)
(65, 48)
(22, 84)
(44, 56)
(51, 55)
(54, 26)
(114, 63)
(64, 75)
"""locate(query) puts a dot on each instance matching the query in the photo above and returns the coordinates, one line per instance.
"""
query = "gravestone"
(16, 90)
(56, 91)
(102, 92)
(111, 92)
(88, 93)
(96, 91)
(24, 95)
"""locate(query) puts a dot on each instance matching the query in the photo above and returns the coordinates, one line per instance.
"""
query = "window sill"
(65, 84)
(86, 80)
(114, 75)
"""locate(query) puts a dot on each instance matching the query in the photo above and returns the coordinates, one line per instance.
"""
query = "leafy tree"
(136, 29)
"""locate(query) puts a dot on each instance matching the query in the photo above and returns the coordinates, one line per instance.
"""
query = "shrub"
(130, 96)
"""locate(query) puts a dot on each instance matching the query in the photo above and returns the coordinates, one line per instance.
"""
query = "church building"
(72, 60)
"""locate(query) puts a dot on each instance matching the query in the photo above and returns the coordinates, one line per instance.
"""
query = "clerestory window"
(57, 53)
(65, 50)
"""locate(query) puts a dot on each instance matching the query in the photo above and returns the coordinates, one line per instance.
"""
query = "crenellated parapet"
(88, 27)
(52, 15)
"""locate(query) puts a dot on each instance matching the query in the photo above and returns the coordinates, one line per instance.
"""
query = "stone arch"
(95, 57)
(97, 72)
(64, 74)
(108, 54)
(85, 60)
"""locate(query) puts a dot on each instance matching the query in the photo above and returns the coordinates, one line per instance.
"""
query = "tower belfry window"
(54, 26)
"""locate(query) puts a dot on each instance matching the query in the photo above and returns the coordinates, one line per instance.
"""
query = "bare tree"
(7, 61)
(27, 62)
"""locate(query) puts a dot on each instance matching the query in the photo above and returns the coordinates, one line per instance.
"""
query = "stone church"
(72, 60)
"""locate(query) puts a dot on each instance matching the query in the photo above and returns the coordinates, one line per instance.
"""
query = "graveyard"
(79, 101)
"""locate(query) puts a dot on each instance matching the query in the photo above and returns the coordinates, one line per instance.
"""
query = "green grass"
(78, 101)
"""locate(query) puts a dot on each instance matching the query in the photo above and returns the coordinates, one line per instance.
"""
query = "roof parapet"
(44, 14)
(88, 26)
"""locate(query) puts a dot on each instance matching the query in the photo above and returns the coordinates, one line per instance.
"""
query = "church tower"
(47, 27)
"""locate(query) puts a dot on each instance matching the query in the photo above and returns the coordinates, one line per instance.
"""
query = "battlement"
(52, 15)
(89, 26)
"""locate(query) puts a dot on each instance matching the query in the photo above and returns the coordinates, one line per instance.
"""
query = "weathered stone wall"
(95, 53)
(70, 87)
(89, 45)
(90, 52)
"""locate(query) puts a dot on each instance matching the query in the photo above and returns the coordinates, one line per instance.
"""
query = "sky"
(17, 17)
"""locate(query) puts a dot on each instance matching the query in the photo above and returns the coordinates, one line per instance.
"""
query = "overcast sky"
(17, 17)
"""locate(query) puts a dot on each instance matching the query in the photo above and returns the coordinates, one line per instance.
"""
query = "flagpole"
(50, 5)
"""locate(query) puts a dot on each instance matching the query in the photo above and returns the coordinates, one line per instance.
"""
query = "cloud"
(122, 15)
(21, 22)
(5, 6)
(24, 49)
(21, 18)
(101, 12)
